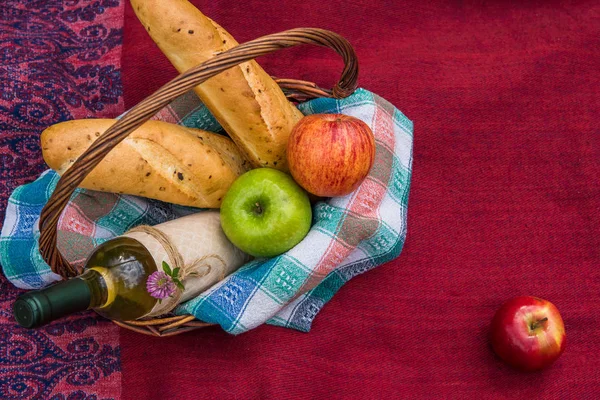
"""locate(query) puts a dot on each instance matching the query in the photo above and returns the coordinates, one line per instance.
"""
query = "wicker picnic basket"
(295, 90)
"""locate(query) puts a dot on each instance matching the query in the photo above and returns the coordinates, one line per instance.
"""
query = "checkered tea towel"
(350, 235)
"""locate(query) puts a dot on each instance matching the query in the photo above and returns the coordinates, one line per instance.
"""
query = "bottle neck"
(39, 307)
(96, 281)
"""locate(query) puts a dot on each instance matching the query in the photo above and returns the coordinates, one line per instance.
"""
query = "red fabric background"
(505, 200)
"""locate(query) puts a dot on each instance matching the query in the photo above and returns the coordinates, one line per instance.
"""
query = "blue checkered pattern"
(350, 235)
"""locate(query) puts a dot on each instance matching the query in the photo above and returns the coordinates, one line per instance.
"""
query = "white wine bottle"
(114, 282)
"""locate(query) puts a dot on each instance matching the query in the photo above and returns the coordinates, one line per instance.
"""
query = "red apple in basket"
(330, 154)
(528, 333)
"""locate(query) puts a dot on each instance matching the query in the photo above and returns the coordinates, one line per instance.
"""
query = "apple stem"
(259, 210)
(536, 324)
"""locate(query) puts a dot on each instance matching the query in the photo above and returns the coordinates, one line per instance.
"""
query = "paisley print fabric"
(59, 60)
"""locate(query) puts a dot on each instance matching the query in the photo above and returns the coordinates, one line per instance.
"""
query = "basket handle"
(146, 109)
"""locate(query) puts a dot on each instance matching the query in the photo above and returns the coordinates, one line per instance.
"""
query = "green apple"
(265, 212)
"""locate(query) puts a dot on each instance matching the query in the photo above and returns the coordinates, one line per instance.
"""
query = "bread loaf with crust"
(245, 100)
(158, 160)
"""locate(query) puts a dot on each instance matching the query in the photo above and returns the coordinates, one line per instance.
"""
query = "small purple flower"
(160, 285)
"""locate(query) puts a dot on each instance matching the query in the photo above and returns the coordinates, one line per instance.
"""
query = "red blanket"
(504, 201)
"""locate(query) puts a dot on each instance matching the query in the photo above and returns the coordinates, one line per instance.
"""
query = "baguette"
(158, 160)
(245, 100)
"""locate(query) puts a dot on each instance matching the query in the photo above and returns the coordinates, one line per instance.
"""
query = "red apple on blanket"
(330, 154)
(528, 333)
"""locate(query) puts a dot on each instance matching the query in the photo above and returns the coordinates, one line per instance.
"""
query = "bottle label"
(207, 256)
